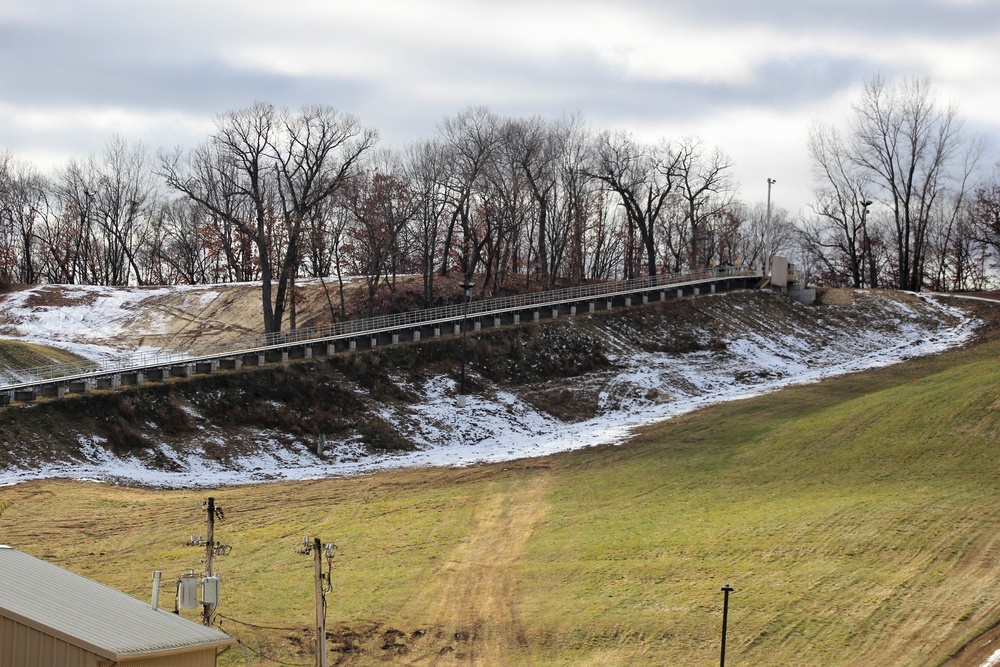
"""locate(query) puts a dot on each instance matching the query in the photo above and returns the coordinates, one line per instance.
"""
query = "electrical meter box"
(210, 590)
(187, 592)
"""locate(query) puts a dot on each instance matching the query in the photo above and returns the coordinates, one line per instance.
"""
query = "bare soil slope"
(175, 318)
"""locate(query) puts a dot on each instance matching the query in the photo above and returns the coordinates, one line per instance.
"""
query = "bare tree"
(579, 193)
(984, 213)
(382, 205)
(232, 177)
(606, 238)
(328, 233)
(316, 152)
(185, 249)
(265, 172)
(534, 148)
(71, 237)
(959, 258)
(125, 196)
(643, 177)
(706, 188)
(744, 237)
(23, 208)
(953, 251)
(840, 238)
(426, 166)
(508, 216)
(914, 153)
(470, 138)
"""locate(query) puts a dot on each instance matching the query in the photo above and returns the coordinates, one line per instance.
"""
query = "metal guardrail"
(82, 370)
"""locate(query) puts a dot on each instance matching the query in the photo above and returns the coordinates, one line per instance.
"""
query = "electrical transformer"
(187, 592)
(210, 590)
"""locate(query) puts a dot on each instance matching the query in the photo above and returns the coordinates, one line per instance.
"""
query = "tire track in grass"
(469, 608)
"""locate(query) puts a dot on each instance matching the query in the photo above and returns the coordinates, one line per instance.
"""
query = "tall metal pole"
(86, 236)
(767, 230)
(726, 590)
(206, 614)
(467, 287)
(320, 604)
(867, 242)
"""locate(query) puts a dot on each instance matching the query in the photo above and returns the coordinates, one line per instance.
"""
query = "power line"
(251, 625)
(267, 657)
(260, 627)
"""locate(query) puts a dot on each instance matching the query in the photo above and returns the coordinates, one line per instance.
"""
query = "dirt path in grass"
(469, 607)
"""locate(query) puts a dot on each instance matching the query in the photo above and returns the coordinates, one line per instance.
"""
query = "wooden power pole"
(209, 553)
(320, 604)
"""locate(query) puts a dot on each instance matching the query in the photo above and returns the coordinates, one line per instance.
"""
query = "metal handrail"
(356, 328)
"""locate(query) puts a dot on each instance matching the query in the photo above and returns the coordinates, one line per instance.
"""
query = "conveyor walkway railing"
(36, 378)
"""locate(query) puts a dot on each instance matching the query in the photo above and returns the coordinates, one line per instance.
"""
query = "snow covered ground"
(643, 388)
(88, 320)
(126, 324)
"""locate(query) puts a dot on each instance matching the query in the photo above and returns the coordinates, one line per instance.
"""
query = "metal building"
(52, 617)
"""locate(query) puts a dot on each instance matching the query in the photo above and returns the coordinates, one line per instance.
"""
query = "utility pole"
(320, 603)
(209, 553)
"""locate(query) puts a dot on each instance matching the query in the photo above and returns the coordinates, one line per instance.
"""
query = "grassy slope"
(17, 355)
(856, 519)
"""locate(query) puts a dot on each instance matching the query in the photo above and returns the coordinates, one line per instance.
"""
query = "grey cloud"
(95, 77)
(877, 18)
(585, 84)
(578, 82)
(149, 58)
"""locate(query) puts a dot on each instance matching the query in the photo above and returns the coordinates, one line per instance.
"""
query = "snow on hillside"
(644, 387)
(121, 323)
(92, 321)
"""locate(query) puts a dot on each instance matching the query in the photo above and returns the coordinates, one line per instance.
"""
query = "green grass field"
(856, 518)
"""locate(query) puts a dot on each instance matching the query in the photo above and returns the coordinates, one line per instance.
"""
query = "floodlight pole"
(767, 230)
(467, 288)
(867, 241)
(86, 236)
(726, 590)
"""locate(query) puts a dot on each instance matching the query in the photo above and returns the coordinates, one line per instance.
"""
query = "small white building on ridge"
(52, 617)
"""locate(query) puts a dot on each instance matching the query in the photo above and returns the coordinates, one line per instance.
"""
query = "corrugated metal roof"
(90, 615)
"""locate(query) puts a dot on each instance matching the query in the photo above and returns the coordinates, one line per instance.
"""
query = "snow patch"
(643, 388)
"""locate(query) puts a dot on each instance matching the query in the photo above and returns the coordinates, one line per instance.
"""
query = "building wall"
(204, 658)
(779, 272)
(22, 646)
(27, 647)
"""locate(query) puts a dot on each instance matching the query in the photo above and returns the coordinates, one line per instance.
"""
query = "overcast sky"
(746, 75)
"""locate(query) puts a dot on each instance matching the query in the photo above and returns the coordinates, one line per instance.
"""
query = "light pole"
(467, 287)
(767, 230)
(726, 590)
(867, 242)
(85, 232)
